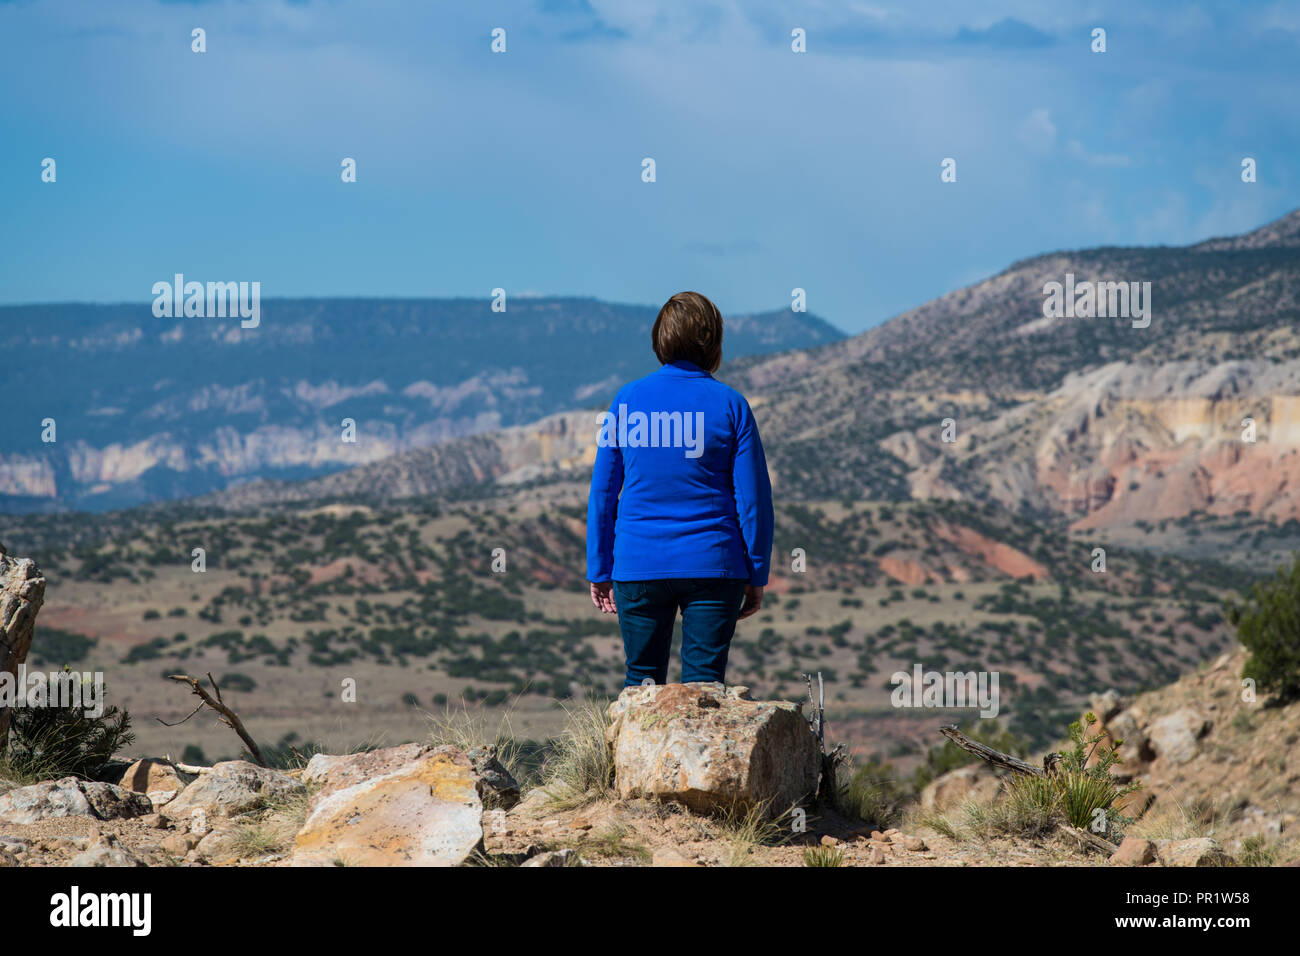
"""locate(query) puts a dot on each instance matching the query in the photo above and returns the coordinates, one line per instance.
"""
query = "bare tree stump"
(22, 592)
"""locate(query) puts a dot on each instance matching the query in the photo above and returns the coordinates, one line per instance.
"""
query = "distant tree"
(1268, 625)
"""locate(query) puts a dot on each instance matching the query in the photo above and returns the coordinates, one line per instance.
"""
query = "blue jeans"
(647, 611)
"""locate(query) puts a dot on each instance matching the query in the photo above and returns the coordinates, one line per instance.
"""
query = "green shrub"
(46, 743)
(1086, 795)
(823, 856)
(1268, 625)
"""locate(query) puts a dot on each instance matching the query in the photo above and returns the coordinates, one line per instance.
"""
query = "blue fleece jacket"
(683, 450)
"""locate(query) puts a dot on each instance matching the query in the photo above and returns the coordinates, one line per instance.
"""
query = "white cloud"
(1037, 131)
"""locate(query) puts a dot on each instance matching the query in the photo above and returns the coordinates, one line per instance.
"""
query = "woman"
(692, 527)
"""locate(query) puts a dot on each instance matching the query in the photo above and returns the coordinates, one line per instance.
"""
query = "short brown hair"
(689, 327)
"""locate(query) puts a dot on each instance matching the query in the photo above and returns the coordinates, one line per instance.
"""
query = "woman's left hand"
(602, 595)
(753, 601)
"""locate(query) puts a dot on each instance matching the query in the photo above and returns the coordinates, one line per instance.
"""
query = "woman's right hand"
(753, 601)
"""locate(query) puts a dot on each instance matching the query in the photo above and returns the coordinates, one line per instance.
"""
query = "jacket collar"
(683, 367)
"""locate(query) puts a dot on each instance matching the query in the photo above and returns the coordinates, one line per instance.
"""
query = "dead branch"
(228, 716)
(995, 757)
(1088, 841)
(189, 768)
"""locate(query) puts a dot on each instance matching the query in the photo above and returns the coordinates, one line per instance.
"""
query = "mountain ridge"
(148, 409)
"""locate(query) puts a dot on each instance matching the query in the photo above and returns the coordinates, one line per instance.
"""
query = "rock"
(696, 745)
(496, 786)
(1136, 747)
(913, 843)
(7, 858)
(106, 851)
(1201, 851)
(219, 846)
(22, 592)
(828, 840)
(535, 799)
(877, 855)
(565, 857)
(1255, 822)
(233, 787)
(1174, 737)
(198, 822)
(71, 797)
(159, 780)
(331, 773)
(413, 805)
(670, 856)
(975, 782)
(179, 844)
(155, 821)
(1106, 705)
(1134, 852)
(1135, 803)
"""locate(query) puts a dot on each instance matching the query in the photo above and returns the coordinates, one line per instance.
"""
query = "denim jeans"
(647, 611)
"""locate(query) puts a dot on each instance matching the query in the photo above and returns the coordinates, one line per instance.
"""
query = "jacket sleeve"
(602, 504)
(753, 490)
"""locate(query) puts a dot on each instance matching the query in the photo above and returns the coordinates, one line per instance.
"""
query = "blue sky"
(523, 170)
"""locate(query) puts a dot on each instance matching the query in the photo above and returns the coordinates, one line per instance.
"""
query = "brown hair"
(689, 327)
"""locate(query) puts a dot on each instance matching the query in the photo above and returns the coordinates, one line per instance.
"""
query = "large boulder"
(1199, 851)
(71, 797)
(413, 805)
(1175, 737)
(159, 780)
(233, 787)
(712, 749)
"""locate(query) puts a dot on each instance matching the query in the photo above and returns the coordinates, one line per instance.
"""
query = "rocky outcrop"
(712, 749)
(413, 805)
(22, 592)
(231, 788)
(70, 797)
